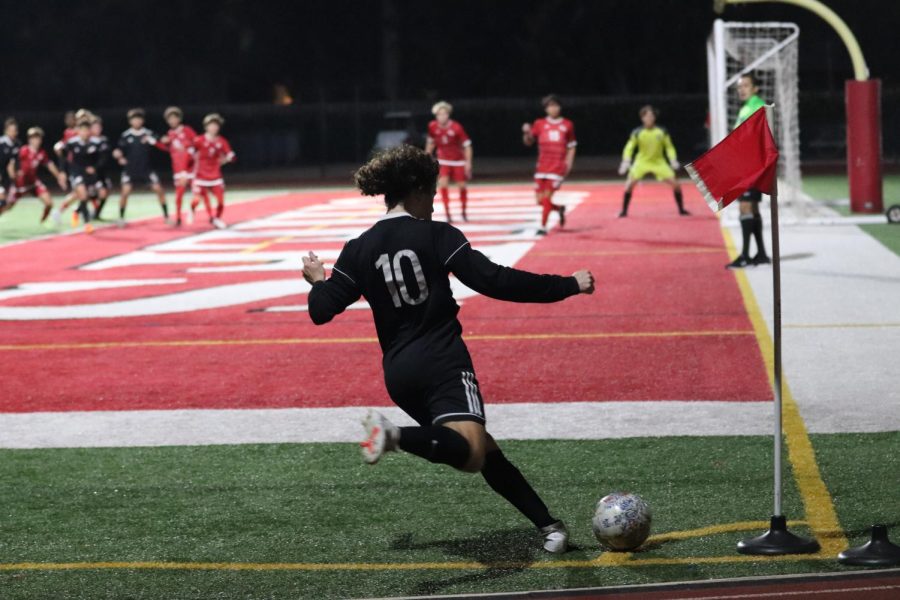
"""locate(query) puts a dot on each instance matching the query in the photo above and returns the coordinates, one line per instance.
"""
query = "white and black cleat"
(381, 436)
(556, 537)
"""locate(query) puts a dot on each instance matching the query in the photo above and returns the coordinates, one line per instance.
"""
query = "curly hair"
(396, 173)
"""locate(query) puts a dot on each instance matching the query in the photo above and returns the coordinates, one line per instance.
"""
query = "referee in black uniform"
(401, 265)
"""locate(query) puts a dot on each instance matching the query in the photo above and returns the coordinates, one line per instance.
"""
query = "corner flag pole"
(777, 540)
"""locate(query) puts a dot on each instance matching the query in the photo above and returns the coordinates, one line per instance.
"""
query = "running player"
(9, 152)
(84, 163)
(555, 137)
(454, 155)
(401, 265)
(31, 158)
(751, 219)
(213, 151)
(650, 151)
(133, 153)
(179, 143)
(99, 193)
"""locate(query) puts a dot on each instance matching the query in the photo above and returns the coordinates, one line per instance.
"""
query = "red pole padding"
(863, 99)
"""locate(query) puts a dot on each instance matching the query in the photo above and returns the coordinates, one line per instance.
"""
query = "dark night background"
(381, 54)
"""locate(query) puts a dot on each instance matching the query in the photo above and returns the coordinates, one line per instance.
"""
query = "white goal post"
(769, 51)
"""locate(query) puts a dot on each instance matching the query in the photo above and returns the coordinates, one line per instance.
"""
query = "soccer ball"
(621, 521)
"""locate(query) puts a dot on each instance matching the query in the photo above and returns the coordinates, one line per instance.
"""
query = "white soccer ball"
(621, 521)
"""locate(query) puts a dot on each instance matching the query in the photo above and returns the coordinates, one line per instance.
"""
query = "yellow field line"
(370, 340)
(604, 560)
(628, 252)
(817, 502)
(266, 244)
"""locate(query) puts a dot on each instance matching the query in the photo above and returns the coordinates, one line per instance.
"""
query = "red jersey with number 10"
(450, 142)
(554, 138)
(210, 153)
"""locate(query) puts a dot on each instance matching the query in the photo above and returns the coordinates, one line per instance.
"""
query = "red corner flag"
(746, 159)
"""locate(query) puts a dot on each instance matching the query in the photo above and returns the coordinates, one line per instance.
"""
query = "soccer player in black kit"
(401, 265)
(133, 153)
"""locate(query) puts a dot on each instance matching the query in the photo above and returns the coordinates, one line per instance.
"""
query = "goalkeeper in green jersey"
(650, 151)
(751, 220)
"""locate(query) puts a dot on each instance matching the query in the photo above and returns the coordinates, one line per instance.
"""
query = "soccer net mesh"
(769, 51)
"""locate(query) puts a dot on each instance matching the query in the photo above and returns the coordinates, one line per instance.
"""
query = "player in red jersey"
(212, 151)
(555, 137)
(454, 154)
(31, 158)
(179, 143)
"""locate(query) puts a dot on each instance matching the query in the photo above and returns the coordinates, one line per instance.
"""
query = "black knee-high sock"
(165, 209)
(99, 208)
(436, 444)
(122, 212)
(505, 479)
(746, 233)
(758, 234)
(679, 200)
(626, 200)
(84, 212)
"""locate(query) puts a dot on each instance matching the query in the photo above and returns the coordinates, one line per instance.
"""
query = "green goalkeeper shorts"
(658, 168)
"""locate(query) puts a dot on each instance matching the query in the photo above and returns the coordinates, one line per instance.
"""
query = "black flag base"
(778, 540)
(878, 552)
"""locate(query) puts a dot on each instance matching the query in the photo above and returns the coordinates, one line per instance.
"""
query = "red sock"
(464, 198)
(219, 192)
(546, 207)
(445, 198)
(179, 194)
(201, 193)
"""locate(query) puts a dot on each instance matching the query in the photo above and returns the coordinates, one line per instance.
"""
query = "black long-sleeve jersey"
(103, 155)
(135, 145)
(401, 265)
(83, 154)
(9, 151)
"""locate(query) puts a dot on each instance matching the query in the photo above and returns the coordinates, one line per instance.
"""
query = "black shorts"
(751, 195)
(148, 178)
(434, 390)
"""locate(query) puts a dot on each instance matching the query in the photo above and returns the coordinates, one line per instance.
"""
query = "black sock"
(679, 200)
(122, 212)
(84, 212)
(165, 209)
(747, 233)
(626, 200)
(758, 235)
(436, 444)
(505, 479)
(99, 209)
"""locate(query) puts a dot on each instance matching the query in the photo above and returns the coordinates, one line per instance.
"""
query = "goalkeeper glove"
(624, 166)
(674, 164)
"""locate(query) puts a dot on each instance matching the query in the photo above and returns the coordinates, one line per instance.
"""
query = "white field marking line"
(53, 234)
(200, 427)
(873, 588)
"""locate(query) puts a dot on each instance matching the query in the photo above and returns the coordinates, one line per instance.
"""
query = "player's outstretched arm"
(527, 134)
(505, 283)
(328, 297)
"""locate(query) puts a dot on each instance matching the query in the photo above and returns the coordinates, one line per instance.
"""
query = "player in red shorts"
(454, 154)
(212, 151)
(555, 137)
(31, 158)
(179, 143)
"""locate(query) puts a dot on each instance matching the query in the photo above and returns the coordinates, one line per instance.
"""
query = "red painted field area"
(218, 325)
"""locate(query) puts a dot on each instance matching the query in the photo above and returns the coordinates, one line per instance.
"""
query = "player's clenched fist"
(585, 281)
(313, 269)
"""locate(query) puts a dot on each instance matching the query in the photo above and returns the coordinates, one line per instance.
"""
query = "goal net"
(769, 51)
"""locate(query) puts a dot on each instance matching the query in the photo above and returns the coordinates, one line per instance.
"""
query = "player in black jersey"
(133, 153)
(99, 193)
(85, 162)
(401, 265)
(9, 152)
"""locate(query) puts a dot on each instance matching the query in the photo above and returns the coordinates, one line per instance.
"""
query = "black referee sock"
(679, 200)
(746, 233)
(436, 444)
(626, 200)
(758, 235)
(505, 479)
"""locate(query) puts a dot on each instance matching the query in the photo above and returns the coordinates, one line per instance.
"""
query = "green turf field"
(317, 504)
(22, 221)
(832, 189)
